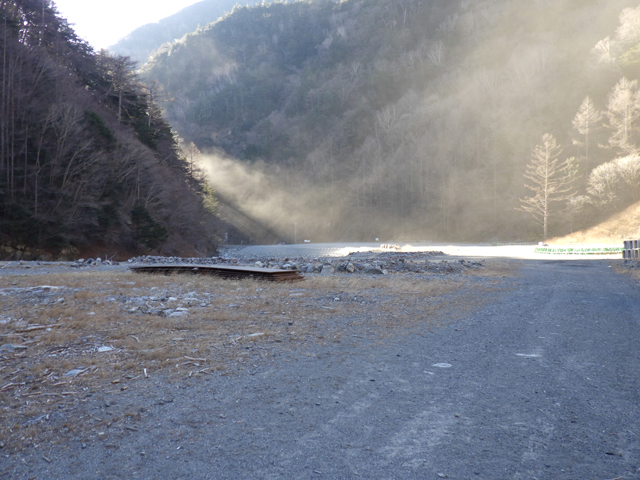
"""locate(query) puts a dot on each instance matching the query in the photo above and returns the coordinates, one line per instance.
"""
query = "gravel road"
(542, 382)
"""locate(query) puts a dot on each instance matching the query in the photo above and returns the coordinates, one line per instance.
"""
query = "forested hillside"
(87, 164)
(140, 43)
(413, 119)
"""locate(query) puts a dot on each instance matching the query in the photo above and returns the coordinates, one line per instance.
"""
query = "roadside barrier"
(579, 250)
(631, 249)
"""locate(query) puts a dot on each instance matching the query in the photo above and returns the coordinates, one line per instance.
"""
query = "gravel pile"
(95, 262)
(357, 263)
(370, 263)
(158, 260)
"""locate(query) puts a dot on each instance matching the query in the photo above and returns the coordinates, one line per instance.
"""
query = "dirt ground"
(486, 373)
(69, 332)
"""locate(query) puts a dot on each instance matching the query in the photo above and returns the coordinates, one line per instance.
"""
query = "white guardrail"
(579, 250)
(631, 249)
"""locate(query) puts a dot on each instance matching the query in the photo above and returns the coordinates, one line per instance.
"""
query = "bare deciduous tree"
(386, 117)
(603, 52)
(548, 180)
(436, 53)
(191, 153)
(122, 74)
(628, 32)
(623, 112)
(616, 182)
(585, 122)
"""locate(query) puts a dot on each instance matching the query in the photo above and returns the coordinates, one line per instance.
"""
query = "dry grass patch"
(620, 226)
(65, 335)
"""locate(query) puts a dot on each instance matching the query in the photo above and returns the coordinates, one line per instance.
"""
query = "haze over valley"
(302, 240)
(408, 120)
(401, 120)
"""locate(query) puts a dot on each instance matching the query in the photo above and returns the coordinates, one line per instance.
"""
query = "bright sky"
(104, 23)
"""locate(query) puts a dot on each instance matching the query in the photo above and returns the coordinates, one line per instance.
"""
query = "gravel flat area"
(541, 382)
(467, 251)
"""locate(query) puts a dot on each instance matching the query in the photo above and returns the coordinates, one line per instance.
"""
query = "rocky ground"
(374, 263)
(381, 263)
(521, 369)
(71, 332)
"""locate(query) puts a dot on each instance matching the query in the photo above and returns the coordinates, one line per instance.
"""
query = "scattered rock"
(327, 270)
(373, 271)
(11, 348)
(442, 365)
(391, 260)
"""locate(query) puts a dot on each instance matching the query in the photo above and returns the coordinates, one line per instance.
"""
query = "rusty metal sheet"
(225, 271)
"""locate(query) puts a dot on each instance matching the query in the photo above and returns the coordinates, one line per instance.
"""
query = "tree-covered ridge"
(305, 58)
(86, 160)
(143, 41)
(422, 114)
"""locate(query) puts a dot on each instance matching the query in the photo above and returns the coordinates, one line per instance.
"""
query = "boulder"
(327, 270)
(373, 271)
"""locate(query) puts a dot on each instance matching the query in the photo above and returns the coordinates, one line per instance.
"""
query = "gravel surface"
(542, 382)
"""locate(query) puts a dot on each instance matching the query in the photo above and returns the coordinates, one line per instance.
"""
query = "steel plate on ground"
(225, 271)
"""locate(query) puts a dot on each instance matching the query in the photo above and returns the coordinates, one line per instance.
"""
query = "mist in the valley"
(431, 142)
(262, 201)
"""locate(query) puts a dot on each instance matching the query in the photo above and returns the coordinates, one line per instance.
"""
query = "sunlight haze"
(102, 27)
(197, 123)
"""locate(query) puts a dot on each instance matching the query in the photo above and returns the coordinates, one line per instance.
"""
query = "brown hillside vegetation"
(623, 225)
(87, 163)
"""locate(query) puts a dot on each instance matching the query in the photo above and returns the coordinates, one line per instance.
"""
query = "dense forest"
(413, 119)
(145, 40)
(87, 163)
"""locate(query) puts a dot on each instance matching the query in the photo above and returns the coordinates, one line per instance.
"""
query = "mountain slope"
(624, 225)
(86, 161)
(379, 118)
(143, 41)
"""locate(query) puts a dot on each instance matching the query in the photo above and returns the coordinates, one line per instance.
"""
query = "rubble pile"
(631, 264)
(93, 262)
(157, 260)
(357, 263)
